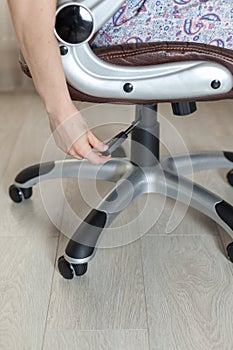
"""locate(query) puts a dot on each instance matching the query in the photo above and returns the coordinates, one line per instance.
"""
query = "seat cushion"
(197, 21)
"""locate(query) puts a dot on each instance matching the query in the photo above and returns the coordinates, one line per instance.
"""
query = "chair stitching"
(142, 51)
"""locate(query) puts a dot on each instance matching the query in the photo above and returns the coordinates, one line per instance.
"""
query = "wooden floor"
(145, 288)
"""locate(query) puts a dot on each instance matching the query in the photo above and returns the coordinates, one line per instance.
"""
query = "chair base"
(144, 173)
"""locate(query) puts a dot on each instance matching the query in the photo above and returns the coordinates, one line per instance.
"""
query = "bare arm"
(34, 24)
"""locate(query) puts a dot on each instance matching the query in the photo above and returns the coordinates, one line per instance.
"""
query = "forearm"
(34, 24)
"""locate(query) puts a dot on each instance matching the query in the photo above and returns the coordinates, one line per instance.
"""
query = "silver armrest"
(89, 74)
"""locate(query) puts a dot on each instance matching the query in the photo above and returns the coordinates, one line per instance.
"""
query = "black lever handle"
(118, 139)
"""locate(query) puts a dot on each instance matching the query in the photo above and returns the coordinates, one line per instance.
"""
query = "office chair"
(143, 74)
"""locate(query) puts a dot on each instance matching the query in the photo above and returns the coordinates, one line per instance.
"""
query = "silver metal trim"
(78, 261)
(113, 170)
(192, 79)
(185, 164)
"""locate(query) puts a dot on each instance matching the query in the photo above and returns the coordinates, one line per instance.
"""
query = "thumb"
(96, 143)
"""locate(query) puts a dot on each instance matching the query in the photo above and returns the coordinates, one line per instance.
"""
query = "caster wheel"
(230, 251)
(230, 177)
(65, 268)
(18, 194)
(68, 271)
(80, 269)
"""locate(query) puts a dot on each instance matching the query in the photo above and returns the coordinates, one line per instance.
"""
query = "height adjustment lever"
(118, 139)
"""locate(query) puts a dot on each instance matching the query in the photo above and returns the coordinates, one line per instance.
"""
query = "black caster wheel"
(230, 177)
(17, 194)
(230, 251)
(80, 269)
(68, 271)
(65, 268)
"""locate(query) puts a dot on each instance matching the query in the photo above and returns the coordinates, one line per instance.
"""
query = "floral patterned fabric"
(202, 21)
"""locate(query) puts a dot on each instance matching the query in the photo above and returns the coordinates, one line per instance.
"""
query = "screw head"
(128, 87)
(215, 84)
(63, 50)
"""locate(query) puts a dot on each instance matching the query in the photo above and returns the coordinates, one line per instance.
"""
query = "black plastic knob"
(183, 108)
(128, 87)
(64, 50)
(74, 24)
(215, 84)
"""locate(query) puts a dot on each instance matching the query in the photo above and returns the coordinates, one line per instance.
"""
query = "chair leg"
(113, 170)
(82, 246)
(133, 182)
(186, 164)
(227, 243)
(203, 200)
(203, 161)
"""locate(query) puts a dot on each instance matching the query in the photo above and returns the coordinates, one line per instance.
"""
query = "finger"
(96, 143)
(95, 159)
(85, 150)
(74, 154)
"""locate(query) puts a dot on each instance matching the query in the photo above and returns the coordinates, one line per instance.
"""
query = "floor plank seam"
(181, 235)
(11, 153)
(50, 294)
(26, 236)
(98, 330)
(144, 288)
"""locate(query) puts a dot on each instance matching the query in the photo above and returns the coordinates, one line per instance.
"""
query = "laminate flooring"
(146, 288)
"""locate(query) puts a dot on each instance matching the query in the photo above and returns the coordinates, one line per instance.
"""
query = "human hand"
(73, 136)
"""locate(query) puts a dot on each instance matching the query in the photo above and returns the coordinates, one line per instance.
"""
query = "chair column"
(145, 136)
